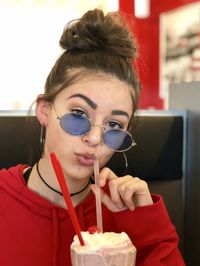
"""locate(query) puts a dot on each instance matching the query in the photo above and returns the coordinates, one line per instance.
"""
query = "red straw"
(66, 195)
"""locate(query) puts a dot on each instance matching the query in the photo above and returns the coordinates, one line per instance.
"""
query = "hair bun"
(96, 32)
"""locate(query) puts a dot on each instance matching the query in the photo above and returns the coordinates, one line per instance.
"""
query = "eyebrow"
(120, 112)
(88, 100)
(94, 105)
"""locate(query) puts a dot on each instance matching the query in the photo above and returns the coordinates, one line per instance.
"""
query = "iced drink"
(103, 249)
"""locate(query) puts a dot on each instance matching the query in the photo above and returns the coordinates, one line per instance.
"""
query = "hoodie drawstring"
(55, 238)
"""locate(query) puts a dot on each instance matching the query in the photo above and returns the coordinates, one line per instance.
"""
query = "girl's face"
(104, 100)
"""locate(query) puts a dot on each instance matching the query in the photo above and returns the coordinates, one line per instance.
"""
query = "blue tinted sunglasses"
(78, 125)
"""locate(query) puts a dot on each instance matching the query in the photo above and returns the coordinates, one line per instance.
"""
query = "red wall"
(147, 35)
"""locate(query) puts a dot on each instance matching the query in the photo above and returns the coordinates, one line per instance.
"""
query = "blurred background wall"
(30, 32)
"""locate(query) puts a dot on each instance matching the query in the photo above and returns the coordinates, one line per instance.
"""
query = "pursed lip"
(85, 159)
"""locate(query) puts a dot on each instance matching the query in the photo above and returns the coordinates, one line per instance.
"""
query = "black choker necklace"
(60, 193)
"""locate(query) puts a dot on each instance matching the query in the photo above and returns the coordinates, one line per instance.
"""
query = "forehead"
(100, 88)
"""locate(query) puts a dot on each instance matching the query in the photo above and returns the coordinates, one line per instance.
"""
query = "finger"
(105, 175)
(135, 193)
(128, 182)
(114, 193)
(142, 196)
(106, 200)
(126, 191)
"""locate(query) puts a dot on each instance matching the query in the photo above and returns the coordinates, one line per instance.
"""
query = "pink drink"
(103, 249)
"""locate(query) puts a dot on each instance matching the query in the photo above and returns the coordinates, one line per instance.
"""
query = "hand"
(126, 192)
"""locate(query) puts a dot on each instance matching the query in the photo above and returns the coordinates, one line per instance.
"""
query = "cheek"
(55, 136)
(105, 157)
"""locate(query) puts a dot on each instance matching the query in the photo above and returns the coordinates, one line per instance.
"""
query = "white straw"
(98, 197)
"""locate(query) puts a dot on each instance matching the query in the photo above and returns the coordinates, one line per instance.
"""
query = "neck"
(58, 191)
(51, 190)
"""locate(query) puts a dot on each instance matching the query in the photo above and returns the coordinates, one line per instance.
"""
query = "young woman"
(86, 110)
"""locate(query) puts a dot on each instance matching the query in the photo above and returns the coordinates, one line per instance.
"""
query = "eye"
(79, 112)
(114, 125)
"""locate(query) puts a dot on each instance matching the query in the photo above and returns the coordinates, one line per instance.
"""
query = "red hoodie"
(35, 232)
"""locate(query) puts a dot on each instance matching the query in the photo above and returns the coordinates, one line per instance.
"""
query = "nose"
(94, 136)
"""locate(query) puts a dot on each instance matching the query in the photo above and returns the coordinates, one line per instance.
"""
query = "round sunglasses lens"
(117, 140)
(75, 124)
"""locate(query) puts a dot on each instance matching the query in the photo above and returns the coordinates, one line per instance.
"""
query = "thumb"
(106, 200)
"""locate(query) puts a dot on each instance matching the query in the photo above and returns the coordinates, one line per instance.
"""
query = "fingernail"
(92, 187)
(101, 182)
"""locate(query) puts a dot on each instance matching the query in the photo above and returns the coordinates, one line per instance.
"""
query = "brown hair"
(94, 43)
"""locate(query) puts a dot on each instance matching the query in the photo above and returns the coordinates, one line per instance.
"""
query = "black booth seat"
(158, 155)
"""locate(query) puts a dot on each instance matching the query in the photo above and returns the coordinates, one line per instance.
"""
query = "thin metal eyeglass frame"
(92, 125)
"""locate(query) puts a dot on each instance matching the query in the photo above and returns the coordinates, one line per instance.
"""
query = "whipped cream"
(101, 240)
(105, 249)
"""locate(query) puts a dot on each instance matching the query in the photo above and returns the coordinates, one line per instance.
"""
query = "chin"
(80, 173)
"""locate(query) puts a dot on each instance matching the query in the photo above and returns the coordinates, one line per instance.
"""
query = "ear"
(42, 111)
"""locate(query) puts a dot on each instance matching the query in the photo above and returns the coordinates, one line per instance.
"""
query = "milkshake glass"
(103, 249)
